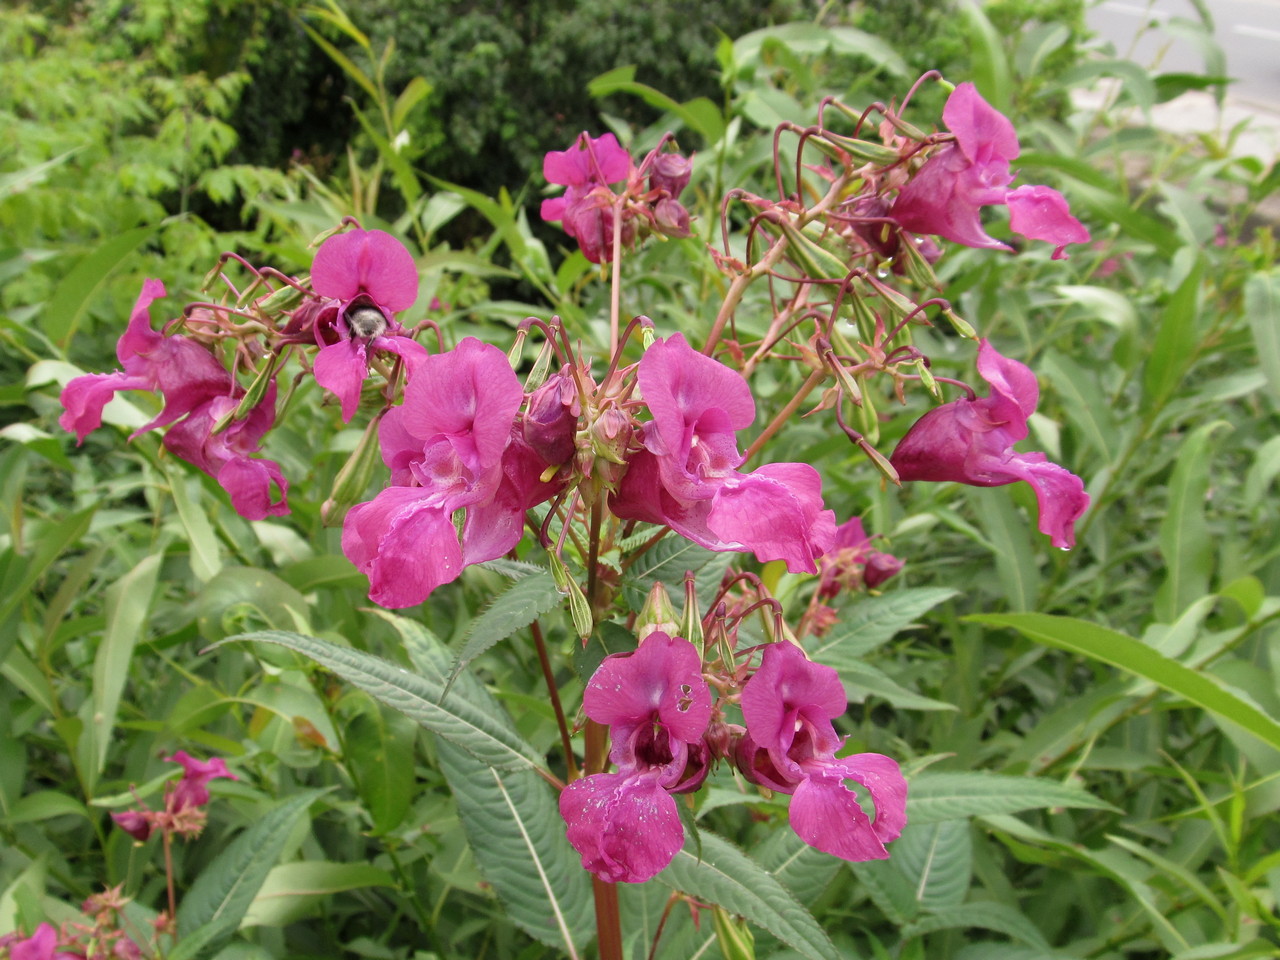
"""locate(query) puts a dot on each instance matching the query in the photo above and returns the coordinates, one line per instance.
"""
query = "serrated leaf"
(802, 869)
(667, 561)
(984, 915)
(874, 621)
(727, 877)
(219, 898)
(934, 797)
(421, 699)
(517, 836)
(522, 603)
(937, 858)
(1120, 650)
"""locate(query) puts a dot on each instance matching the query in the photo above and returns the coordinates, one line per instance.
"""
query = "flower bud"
(548, 423)
(610, 434)
(670, 172)
(880, 567)
(672, 219)
(136, 823)
(657, 615)
(353, 479)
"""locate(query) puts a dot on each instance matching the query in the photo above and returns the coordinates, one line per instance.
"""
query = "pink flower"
(136, 823)
(197, 392)
(41, 945)
(790, 747)
(946, 193)
(686, 475)
(369, 275)
(587, 208)
(851, 561)
(451, 446)
(625, 825)
(971, 441)
(193, 789)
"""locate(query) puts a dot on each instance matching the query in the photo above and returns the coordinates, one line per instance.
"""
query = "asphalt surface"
(1163, 35)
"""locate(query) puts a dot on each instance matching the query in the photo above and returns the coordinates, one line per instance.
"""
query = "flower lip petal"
(366, 261)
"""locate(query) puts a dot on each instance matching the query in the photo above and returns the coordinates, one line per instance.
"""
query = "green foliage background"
(1093, 769)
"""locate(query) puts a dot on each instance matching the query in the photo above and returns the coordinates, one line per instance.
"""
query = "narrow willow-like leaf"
(1262, 307)
(1119, 650)
(1185, 543)
(1175, 339)
(727, 877)
(421, 699)
(935, 797)
(874, 621)
(62, 313)
(514, 609)
(215, 904)
(1008, 532)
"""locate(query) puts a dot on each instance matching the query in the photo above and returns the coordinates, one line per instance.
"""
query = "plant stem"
(608, 922)
(566, 743)
(785, 413)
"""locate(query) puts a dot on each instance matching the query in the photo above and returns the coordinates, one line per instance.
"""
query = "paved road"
(1247, 30)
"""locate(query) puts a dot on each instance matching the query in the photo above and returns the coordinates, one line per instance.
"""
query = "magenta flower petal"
(193, 789)
(248, 482)
(882, 778)
(133, 822)
(625, 828)
(686, 391)
(1042, 213)
(826, 816)
(341, 368)
(945, 198)
(599, 160)
(786, 692)
(971, 441)
(368, 262)
(138, 337)
(405, 542)
(41, 945)
(84, 398)
(983, 132)
(661, 681)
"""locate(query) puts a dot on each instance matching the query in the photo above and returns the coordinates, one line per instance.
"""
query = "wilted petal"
(625, 828)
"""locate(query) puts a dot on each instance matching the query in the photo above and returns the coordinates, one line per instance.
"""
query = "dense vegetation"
(1090, 735)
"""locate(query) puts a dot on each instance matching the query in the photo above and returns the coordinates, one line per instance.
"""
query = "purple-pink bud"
(670, 172)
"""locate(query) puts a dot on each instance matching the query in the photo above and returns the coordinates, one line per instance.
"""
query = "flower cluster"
(973, 171)
(198, 392)
(589, 210)
(666, 732)
(184, 801)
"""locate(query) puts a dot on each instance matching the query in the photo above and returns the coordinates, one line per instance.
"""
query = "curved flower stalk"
(451, 446)
(971, 441)
(790, 746)
(959, 178)
(197, 393)
(686, 474)
(364, 276)
(625, 825)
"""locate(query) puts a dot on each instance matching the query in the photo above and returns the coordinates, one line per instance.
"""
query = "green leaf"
(401, 169)
(514, 609)
(1119, 650)
(983, 915)
(206, 556)
(21, 571)
(668, 560)
(222, 605)
(1185, 542)
(64, 310)
(421, 699)
(813, 38)
(413, 93)
(1005, 527)
(516, 833)
(991, 73)
(935, 797)
(1262, 307)
(292, 891)
(802, 869)
(872, 622)
(699, 115)
(512, 819)
(218, 900)
(1175, 339)
(342, 60)
(727, 877)
(128, 601)
(378, 746)
(938, 860)
(44, 805)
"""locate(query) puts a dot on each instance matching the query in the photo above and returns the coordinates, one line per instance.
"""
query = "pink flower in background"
(971, 441)
(193, 789)
(625, 825)
(851, 561)
(370, 276)
(586, 210)
(41, 945)
(686, 476)
(946, 194)
(180, 369)
(450, 446)
(197, 392)
(136, 823)
(790, 745)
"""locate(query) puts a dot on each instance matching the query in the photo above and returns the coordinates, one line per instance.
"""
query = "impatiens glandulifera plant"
(584, 472)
